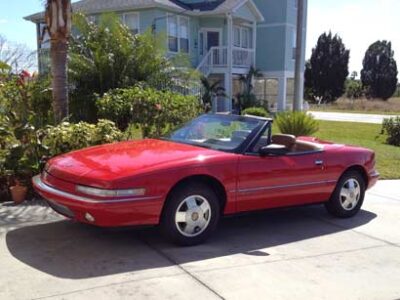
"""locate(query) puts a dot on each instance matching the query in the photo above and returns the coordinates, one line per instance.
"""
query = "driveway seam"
(353, 230)
(292, 259)
(171, 260)
(103, 286)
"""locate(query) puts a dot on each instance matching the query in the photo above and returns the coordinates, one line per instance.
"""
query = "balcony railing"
(217, 57)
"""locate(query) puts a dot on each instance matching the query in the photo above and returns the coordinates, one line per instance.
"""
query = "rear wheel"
(191, 214)
(348, 195)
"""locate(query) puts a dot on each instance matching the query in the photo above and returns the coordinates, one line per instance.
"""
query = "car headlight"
(110, 193)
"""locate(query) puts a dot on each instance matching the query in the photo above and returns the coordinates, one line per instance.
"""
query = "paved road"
(349, 117)
(300, 253)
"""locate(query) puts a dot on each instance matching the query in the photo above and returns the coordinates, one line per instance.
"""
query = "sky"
(358, 22)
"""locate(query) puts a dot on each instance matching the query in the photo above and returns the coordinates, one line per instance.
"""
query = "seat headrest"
(284, 139)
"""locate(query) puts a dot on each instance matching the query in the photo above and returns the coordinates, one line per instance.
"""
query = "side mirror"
(273, 150)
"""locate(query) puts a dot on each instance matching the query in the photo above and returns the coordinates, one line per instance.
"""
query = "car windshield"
(220, 132)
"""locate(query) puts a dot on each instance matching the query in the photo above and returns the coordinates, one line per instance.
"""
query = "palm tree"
(247, 98)
(58, 20)
(210, 90)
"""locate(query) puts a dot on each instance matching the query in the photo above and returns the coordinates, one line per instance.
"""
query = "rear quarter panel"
(339, 158)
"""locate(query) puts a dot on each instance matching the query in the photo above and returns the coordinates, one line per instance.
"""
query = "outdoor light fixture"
(110, 193)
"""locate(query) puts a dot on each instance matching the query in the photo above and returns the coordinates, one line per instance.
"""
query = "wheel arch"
(209, 180)
(360, 169)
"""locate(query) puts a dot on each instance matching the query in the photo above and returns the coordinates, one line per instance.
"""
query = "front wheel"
(191, 214)
(348, 195)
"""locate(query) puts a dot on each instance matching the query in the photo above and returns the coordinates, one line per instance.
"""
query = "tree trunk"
(58, 53)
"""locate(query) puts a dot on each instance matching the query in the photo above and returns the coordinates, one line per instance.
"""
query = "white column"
(254, 42)
(228, 74)
(282, 85)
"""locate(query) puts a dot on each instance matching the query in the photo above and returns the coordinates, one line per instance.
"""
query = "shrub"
(354, 89)
(296, 123)
(391, 127)
(67, 137)
(155, 112)
(256, 111)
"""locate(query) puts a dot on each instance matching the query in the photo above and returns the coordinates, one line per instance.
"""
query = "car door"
(276, 181)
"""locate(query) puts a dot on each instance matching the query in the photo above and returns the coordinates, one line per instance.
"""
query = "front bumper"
(106, 212)
(373, 178)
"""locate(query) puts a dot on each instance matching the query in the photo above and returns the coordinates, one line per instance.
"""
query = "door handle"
(319, 162)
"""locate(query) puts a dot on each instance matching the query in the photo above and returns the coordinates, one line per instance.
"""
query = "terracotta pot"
(18, 193)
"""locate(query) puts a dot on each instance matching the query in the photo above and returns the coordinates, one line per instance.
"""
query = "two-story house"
(223, 38)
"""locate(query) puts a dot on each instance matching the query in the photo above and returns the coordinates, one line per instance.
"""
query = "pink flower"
(158, 106)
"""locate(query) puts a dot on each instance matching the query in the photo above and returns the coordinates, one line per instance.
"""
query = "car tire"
(348, 196)
(191, 214)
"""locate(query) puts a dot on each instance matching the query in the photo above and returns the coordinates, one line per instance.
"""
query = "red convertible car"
(215, 165)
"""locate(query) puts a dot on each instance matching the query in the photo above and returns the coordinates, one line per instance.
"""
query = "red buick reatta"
(215, 165)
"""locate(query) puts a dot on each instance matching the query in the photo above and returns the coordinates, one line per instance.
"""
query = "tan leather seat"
(304, 146)
(286, 140)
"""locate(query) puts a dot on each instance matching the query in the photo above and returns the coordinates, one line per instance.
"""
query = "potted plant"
(18, 191)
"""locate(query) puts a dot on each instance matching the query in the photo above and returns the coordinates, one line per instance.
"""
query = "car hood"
(100, 165)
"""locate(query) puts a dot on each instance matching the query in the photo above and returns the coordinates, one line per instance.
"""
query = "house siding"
(276, 35)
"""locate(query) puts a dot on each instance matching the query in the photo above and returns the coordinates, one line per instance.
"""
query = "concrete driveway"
(298, 253)
(349, 117)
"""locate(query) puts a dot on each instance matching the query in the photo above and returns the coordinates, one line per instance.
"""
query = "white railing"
(217, 57)
(242, 58)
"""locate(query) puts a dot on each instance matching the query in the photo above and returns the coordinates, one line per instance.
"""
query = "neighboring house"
(223, 38)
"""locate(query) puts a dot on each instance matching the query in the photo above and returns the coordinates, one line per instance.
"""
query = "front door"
(276, 181)
(208, 38)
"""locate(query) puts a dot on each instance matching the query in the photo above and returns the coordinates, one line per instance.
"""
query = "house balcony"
(216, 60)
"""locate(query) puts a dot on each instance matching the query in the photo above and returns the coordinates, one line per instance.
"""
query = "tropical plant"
(379, 73)
(327, 70)
(391, 127)
(296, 123)
(256, 111)
(105, 56)
(154, 112)
(67, 137)
(27, 99)
(58, 21)
(210, 90)
(246, 97)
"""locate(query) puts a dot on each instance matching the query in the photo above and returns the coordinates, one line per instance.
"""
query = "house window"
(236, 36)
(245, 38)
(184, 34)
(178, 33)
(44, 37)
(173, 33)
(201, 43)
(131, 20)
(242, 37)
(294, 43)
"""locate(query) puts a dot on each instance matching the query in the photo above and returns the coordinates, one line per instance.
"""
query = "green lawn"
(365, 135)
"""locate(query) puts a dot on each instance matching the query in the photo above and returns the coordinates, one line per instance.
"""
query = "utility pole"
(300, 40)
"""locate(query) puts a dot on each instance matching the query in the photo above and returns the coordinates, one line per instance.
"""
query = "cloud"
(3, 21)
(359, 23)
